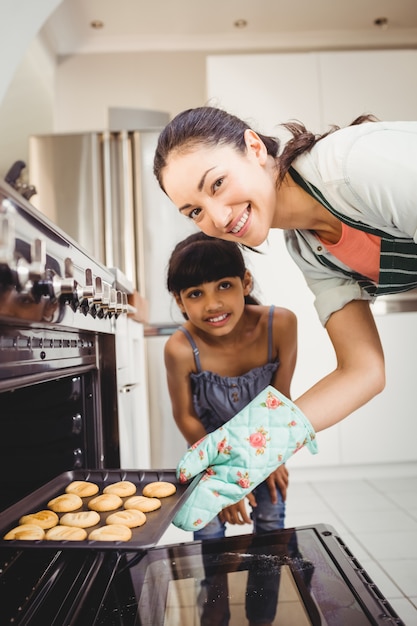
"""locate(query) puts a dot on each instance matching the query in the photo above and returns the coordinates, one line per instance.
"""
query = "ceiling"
(140, 25)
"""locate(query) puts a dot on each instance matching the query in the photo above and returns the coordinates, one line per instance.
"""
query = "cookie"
(105, 502)
(82, 519)
(131, 518)
(82, 488)
(142, 503)
(26, 532)
(159, 489)
(66, 533)
(123, 488)
(44, 519)
(66, 502)
(111, 532)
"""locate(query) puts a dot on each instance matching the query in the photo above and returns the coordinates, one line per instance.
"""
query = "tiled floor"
(374, 511)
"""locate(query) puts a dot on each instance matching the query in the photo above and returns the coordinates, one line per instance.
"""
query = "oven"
(58, 388)
(59, 311)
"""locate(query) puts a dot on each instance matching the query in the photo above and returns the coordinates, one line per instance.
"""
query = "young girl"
(229, 349)
(347, 203)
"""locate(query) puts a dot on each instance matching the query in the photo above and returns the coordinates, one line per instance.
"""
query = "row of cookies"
(71, 526)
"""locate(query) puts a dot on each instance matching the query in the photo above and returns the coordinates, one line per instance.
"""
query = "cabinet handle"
(129, 388)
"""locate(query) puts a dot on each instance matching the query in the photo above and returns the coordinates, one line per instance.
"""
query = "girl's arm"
(179, 364)
(360, 370)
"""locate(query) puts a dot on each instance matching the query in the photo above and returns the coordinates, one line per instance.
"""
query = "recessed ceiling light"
(97, 24)
(240, 24)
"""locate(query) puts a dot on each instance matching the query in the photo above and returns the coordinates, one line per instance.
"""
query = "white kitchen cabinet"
(381, 82)
(385, 430)
(321, 89)
(132, 386)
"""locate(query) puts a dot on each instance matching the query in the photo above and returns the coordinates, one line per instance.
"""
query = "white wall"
(20, 22)
(27, 106)
(26, 77)
(87, 85)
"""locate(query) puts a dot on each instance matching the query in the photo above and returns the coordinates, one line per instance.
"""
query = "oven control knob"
(101, 298)
(22, 274)
(112, 307)
(125, 304)
(63, 286)
(7, 240)
(37, 266)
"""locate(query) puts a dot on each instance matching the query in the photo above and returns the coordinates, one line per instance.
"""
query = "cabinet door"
(385, 429)
(380, 82)
(266, 89)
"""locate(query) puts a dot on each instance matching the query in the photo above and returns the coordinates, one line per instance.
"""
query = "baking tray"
(143, 538)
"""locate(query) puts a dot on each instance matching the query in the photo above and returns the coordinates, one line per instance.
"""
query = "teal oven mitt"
(241, 454)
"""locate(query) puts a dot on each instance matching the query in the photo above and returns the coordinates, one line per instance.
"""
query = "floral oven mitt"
(241, 454)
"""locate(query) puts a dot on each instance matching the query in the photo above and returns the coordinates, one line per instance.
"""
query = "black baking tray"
(143, 538)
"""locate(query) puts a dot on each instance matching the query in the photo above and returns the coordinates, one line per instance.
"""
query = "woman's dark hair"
(202, 259)
(211, 126)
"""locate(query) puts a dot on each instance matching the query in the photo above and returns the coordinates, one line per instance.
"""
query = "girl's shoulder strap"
(193, 346)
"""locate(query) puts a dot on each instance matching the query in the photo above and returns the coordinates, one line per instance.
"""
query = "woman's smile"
(238, 228)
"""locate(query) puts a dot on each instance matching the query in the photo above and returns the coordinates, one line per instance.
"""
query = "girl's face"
(228, 194)
(216, 307)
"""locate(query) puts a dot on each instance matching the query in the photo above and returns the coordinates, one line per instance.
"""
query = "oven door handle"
(128, 388)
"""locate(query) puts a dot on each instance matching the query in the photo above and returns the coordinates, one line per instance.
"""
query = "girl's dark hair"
(211, 126)
(202, 259)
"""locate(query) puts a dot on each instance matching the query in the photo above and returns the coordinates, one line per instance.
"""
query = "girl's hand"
(279, 478)
(236, 513)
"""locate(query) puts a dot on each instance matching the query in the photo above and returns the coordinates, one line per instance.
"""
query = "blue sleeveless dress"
(216, 399)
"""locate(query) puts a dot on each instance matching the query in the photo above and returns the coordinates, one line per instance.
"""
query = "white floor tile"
(404, 572)
(395, 485)
(389, 545)
(357, 502)
(362, 521)
(383, 580)
(406, 610)
(405, 499)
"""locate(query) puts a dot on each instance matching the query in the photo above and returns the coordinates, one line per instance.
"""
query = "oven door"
(303, 576)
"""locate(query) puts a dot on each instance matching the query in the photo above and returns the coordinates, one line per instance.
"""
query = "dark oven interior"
(58, 408)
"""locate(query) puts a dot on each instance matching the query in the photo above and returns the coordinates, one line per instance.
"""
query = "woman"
(347, 203)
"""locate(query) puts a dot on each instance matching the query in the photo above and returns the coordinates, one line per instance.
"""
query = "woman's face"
(228, 194)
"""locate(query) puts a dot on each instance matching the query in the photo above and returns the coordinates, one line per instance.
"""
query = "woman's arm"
(360, 370)
(179, 364)
(285, 343)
